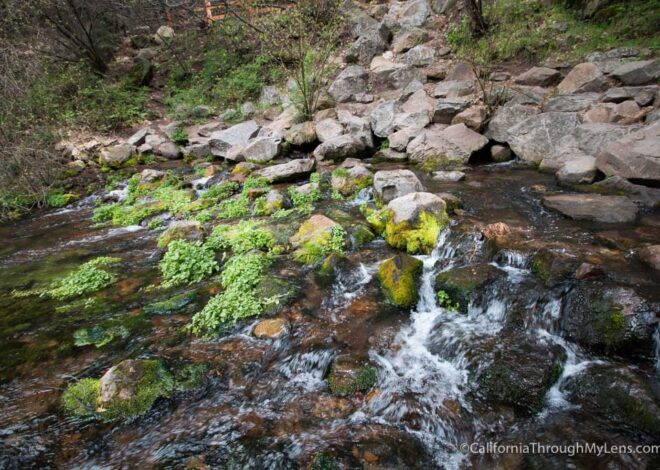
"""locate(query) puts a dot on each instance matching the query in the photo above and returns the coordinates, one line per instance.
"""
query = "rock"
(274, 202)
(392, 184)
(419, 56)
(449, 176)
(328, 129)
(453, 145)
(349, 375)
(391, 155)
(454, 88)
(388, 74)
(197, 150)
(262, 150)
(571, 103)
(288, 171)
(414, 14)
(190, 230)
(538, 76)
(372, 42)
(651, 256)
(400, 139)
(522, 372)
(505, 118)
(581, 170)
(417, 111)
(600, 316)
(462, 71)
(238, 135)
(594, 138)
(400, 280)
(301, 134)
(313, 241)
(446, 109)
(117, 155)
(151, 175)
(553, 266)
(473, 117)
(500, 153)
(169, 150)
(642, 95)
(616, 398)
(496, 230)
(164, 35)
(588, 271)
(271, 328)
(382, 119)
(248, 108)
(201, 111)
(642, 195)
(638, 73)
(406, 39)
(521, 95)
(414, 222)
(535, 137)
(350, 82)
(131, 379)
(359, 128)
(139, 137)
(583, 78)
(270, 96)
(348, 181)
(634, 156)
(462, 285)
(627, 112)
(595, 207)
(339, 148)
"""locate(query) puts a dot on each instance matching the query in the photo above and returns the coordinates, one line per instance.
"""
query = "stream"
(266, 404)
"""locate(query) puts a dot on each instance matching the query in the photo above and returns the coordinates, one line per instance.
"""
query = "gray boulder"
(238, 135)
(594, 207)
(408, 208)
(642, 95)
(535, 137)
(414, 14)
(505, 118)
(406, 39)
(448, 176)
(262, 150)
(350, 82)
(117, 154)
(391, 184)
(419, 56)
(339, 148)
(580, 170)
(538, 76)
(400, 139)
(288, 171)
(447, 108)
(635, 156)
(382, 118)
(571, 103)
(328, 129)
(639, 72)
(358, 127)
(372, 42)
(388, 74)
(583, 78)
(451, 146)
(169, 150)
(454, 88)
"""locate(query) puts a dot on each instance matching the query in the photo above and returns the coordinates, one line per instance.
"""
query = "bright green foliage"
(240, 278)
(255, 182)
(282, 213)
(446, 302)
(88, 278)
(233, 208)
(527, 29)
(58, 198)
(221, 191)
(420, 237)
(187, 262)
(180, 136)
(315, 250)
(80, 399)
(241, 238)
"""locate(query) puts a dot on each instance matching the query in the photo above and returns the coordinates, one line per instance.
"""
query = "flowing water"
(266, 403)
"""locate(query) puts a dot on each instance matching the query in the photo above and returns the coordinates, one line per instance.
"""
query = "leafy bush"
(187, 262)
(241, 238)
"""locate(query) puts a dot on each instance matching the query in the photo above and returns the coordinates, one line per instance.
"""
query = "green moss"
(433, 163)
(314, 250)
(418, 238)
(88, 278)
(98, 335)
(400, 279)
(376, 218)
(80, 399)
(612, 325)
(59, 198)
(175, 304)
(187, 262)
(362, 235)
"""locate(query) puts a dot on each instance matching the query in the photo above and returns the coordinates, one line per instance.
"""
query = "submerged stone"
(271, 328)
(400, 280)
(460, 284)
(349, 375)
(176, 304)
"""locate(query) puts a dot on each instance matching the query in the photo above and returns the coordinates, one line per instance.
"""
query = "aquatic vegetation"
(172, 305)
(234, 208)
(98, 335)
(255, 182)
(317, 248)
(446, 302)
(282, 213)
(187, 262)
(80, 399)
(362, 235)
(400, 280)
(221, 191)
(241, 238)
(419, 237)
(88, 278)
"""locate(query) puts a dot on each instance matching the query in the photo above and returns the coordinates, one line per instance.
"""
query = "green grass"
(527, 29)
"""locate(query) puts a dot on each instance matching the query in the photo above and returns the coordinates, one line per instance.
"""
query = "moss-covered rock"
(552, 267)
(128, 389)
(459, 284)
(189, 230)
(349, 181)
(362, 235)
(349, 375)
(275, 293)
(176, 304)
(318, 237)
(400, 279)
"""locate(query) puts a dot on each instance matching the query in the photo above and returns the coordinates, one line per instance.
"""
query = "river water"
(266, 403)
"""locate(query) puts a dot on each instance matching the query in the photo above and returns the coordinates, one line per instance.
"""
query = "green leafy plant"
(241, 238)
(88, 278)
(187, 262)
(445, 301)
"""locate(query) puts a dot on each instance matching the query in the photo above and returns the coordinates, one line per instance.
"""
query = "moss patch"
(400, 279)
(349, 376)
(419, 237)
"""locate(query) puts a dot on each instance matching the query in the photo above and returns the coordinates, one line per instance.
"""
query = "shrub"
(187, 262)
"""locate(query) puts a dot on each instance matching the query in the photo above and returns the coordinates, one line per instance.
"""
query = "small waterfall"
(364, 196)
(199, 185)
(349, 285)
(307, 369)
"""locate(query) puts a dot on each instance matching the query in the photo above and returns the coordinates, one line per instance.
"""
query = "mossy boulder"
(460, 284)
(616, 396)
(128, 389)
(522, 372)
(348, 181)
(362, 235)
(318, 237)
(180, 303)
(349, 375)
(606, 317)
(270, 203)
(553, 267)
(413, 222)
(190, 230)
(276, 293)
(400, 279)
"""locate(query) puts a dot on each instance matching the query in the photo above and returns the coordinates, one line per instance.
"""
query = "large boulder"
(414, 13)
(461, 285)
(347, 181)
(419, 56)
(350, 82)
(236, 136)
(451, 146)
(372, 42)
(454, 88)
(169, 150)
(400, 280)
(505, 118)
(288, 171)
(635, 156)
(190, 230)
(414, 222)
(382, 118)
(328, 128)
(406, 39)
(538, 76)
(583, 78)
(642, 95)
(595, 207)
(579, 170)
(535, 137)
(473, 117)
(391, 184)
(447, 108)
(356, 126)
(301, 134)
(400, 139)
(117, 155)
(262, 150)
(639, 72)
(339, 148)
(392, 75)
(601, 316)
